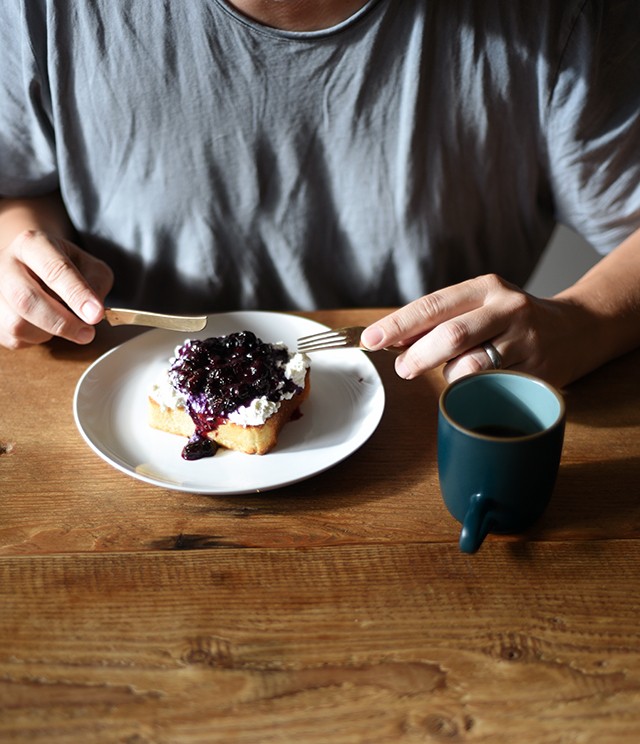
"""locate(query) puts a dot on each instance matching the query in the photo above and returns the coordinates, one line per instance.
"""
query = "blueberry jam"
(217, 375)
(198, 447)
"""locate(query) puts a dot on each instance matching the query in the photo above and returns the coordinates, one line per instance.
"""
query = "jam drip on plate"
(220, 374)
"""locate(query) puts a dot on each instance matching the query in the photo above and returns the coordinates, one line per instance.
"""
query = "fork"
(122, 316)
(336, 338)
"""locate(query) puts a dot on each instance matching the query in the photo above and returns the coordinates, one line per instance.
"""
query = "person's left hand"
(450, 326)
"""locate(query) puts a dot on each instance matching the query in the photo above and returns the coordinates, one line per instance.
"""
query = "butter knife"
(121, 316)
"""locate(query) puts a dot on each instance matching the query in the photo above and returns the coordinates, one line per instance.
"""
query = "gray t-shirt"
(219, 164)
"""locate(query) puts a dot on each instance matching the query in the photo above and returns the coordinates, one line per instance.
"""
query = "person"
(298, 154)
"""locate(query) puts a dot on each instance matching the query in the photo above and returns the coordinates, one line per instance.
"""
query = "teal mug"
(500, 436)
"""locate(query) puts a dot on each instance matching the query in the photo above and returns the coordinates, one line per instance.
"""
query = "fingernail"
(91, 311)
(372, 337)
(85, 335)
(402, 370)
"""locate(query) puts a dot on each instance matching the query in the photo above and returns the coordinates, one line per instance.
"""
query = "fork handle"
(121, 316)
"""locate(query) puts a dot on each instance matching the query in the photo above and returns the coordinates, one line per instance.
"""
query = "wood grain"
(335, 610)
(386, 492)
(401, 643)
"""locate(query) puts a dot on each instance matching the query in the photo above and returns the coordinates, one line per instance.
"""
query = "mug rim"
(502, 373)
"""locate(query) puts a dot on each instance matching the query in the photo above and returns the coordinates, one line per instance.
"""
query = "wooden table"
(336, 610)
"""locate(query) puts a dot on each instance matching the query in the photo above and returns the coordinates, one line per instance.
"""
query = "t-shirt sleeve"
(27, 141)
(593, 124)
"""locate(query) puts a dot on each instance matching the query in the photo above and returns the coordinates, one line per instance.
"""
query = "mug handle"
(475, 526)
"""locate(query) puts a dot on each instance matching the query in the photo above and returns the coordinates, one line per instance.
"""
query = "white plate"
(343, 410)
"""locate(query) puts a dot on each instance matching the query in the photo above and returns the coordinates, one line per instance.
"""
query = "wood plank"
(58, 496)
(521, 642)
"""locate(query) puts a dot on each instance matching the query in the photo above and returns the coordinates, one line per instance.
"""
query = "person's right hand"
(49, 287)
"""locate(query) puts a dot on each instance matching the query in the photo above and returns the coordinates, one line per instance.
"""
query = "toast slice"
(231, 391)
(251, 439)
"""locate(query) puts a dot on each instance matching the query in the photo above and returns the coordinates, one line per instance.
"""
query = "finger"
(31, 300)
(96, 272)
(467, 364)
(16, 332)
(477, 360)
(49, 260)
(403, 326)
(31, 307)
(451, 339)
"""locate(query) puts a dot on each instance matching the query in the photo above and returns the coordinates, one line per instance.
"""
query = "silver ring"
(493, 354)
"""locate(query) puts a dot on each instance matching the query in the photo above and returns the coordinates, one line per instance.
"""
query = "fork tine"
(331, 339)
(329, 334)
(331, 343)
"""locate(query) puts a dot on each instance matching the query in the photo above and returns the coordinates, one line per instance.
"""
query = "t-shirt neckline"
(297, 35)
